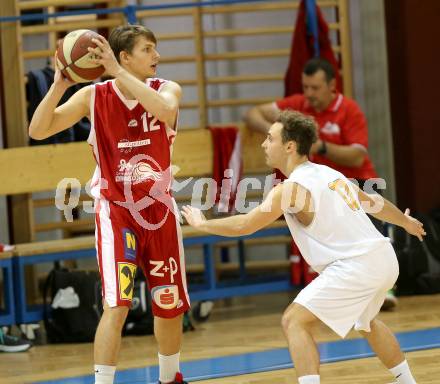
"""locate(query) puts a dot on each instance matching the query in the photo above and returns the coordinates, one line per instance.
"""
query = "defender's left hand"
(413, 226)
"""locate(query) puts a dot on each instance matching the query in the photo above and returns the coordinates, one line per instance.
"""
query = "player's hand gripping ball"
(73, 58)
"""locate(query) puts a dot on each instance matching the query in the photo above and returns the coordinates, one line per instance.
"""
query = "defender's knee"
(373, 325)
(364, 333)
(286, 321)
(293, 319)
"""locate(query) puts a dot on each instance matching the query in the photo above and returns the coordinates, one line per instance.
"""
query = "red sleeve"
(294, 102)
(355, 130)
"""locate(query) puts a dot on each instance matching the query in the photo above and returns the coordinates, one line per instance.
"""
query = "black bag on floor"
(413, 261)
(71, 316)
(140, 320)
(418, 261)
(428, 284)
(431, 223)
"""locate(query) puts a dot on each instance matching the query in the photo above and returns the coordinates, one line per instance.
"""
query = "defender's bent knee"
(296, 316)
(373, 324)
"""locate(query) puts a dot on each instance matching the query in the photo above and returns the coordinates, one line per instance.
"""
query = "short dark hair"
(123, 38)
(299, 128)
(316, 64)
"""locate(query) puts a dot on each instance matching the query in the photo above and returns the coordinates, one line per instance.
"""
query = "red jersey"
(341, 123)
(132, 148)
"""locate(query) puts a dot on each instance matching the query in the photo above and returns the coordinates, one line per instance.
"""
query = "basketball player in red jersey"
(133, 125)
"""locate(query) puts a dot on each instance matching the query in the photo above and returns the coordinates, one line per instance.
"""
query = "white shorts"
(350, 292)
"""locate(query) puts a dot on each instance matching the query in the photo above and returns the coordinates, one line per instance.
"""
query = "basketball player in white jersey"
(326, 217)
(133, 125)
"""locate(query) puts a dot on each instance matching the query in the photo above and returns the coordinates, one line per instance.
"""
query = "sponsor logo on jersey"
(133, 144)
(126, 146)
(122, 148)
(158, 191)
(129, 244)
(126, 274)
(124, 166)
(331, 129)
(136, 173)
(143, 171)
(165, 296)
(133, 123)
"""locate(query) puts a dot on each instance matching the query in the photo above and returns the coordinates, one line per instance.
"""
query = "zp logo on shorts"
(126, 274)
(165, 296)
(160, 267)
(129, 244)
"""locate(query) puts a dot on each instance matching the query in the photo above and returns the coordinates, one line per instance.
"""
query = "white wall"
(370, 79)
(274, 89)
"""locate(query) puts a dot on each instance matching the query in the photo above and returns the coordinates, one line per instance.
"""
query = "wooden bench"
(41, 168)
(7, 314)
(211, 289)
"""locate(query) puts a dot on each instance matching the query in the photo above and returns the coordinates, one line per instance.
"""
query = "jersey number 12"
(152, 125)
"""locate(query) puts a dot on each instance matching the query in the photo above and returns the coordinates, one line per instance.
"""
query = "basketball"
(73, 58)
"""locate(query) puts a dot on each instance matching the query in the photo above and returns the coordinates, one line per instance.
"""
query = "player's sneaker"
(13, 344)
(390, 301)
(178, 379)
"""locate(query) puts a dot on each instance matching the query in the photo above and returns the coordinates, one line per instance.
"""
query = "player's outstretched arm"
(163, 105)
(48, 119)
(382, 209)
(239, 225)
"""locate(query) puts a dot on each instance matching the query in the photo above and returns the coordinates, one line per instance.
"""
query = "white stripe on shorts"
(181, 250)
(107, 265)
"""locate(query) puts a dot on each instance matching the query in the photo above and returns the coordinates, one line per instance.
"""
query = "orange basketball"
(73, 58)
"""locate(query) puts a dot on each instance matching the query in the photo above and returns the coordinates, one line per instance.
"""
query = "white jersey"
(340, 228)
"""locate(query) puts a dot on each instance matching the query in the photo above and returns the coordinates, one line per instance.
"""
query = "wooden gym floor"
(240, 332)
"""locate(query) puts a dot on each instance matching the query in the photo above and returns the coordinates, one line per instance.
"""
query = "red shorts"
(123, 244)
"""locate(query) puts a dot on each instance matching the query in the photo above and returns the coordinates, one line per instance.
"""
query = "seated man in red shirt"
(343, 131)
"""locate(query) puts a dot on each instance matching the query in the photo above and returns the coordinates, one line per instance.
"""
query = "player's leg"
(379, 336)
(116, 252)
(297, 323)
(338, 297)
(108, 337)
(385, 345)
(168, 333)
(164, 268)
